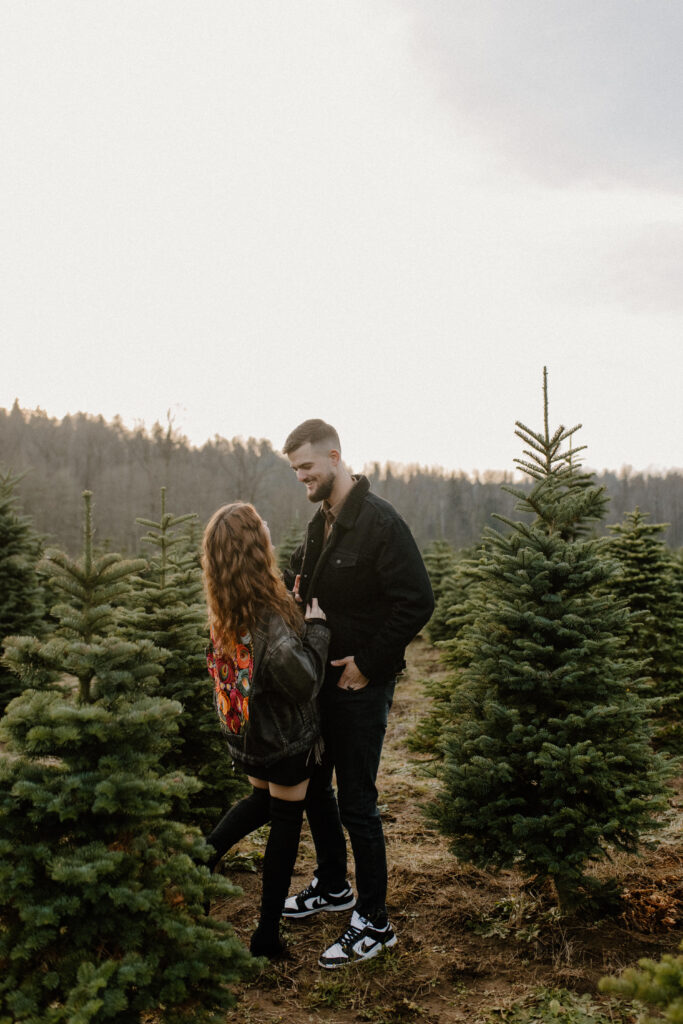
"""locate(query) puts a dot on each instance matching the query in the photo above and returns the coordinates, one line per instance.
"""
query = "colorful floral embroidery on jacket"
(232, 681)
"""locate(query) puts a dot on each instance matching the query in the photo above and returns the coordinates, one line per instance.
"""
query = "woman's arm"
(296, 664)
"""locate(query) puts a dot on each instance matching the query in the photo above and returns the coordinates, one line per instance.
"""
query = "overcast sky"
(388, 213)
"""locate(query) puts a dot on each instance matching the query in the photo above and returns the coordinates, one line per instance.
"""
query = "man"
(359, 559)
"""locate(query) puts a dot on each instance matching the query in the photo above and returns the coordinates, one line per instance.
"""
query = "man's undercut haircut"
(316, 432)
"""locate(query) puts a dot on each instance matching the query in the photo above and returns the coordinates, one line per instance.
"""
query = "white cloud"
(570, 90)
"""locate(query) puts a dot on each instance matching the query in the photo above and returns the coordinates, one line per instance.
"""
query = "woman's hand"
(314, 611)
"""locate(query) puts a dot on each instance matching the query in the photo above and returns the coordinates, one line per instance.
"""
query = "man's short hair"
(315, 432)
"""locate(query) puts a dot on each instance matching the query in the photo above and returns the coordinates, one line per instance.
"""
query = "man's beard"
(323, 490)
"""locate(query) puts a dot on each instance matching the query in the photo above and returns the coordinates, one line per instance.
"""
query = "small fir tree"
(171, 611)
(102, 909)
(455, 608)
(647, 580)
(547, 762)
(91, 592)
(678, 564)
(657, 983)
(440, 559)
(452, 594)
(288, 545)
(21, 596)
(88, 596)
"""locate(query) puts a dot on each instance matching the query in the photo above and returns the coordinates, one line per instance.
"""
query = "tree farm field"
(473, 946)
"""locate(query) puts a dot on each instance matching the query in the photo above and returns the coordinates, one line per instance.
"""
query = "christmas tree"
(451, 594)
(648, 581)
(547, 761)
(21, 597)
(657, 983)
(102, 909)
(455, 608)
(440, 559)
(289, 543)
(171, 611)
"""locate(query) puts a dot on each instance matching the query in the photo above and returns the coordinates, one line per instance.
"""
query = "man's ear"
(334, 456)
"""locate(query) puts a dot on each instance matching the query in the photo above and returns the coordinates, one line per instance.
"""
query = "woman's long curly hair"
(241, 577)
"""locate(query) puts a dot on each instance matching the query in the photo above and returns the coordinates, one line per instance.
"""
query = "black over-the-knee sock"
(242, 818)
(278, 864)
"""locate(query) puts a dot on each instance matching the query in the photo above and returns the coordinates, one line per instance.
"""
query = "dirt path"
(470, 944)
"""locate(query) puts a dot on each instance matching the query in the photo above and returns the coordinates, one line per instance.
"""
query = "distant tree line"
(125, 469)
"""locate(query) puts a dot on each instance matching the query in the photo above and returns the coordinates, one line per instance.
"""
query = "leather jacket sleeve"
(296, 665)
(290, 572)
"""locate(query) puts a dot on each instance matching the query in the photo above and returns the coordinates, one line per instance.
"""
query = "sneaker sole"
(330, 966)
(298, 915)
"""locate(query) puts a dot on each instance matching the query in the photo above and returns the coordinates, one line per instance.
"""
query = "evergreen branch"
(530, 436)
(557, 437)
(168, 520)
(574, 451)
(535, 459)
(120, 570)
(530, 469)
(513, 523)
(568, 433)
(520, 495)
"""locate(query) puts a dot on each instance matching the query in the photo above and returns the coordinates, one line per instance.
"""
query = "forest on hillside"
(126, 469)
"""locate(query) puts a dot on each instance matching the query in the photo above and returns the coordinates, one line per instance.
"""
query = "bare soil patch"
(471, 944)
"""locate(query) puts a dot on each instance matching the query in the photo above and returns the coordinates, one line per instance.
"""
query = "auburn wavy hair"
(241, 577)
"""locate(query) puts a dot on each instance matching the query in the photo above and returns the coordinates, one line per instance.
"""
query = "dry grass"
(470, 943)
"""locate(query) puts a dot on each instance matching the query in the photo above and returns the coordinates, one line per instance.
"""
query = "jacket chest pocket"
(348, 575)
(343, 562)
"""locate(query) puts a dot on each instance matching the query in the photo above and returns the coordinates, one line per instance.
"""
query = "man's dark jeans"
(353, 723)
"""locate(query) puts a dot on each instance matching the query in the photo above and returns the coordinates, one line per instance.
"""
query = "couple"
(284, 682)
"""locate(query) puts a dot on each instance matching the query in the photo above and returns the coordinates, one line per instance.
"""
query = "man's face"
(316, 468)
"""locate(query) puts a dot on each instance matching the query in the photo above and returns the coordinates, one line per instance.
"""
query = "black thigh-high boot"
(278, 864)
(243, 817)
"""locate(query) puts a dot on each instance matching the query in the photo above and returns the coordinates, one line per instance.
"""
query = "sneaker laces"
(310, 890)
(351, 933)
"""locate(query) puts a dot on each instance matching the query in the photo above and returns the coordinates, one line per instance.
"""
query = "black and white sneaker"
(312, 900)
(360, 941)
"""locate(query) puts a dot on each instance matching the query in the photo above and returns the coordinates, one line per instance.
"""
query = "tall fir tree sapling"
(648, 580)
(21, 596)
(653, 983)
(102, 893)
(440, 559)
(291, 540)
(455, 608)
(170, 609)
(548, 761)
(452, 594)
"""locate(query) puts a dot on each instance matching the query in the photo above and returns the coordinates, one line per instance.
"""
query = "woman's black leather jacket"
(283, 708)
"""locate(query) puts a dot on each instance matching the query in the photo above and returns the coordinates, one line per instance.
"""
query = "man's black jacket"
(370, 580)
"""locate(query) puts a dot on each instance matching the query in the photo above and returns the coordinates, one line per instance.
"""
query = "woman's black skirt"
(289, 771)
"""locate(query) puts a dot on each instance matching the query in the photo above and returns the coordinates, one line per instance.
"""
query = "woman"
(267, 665)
